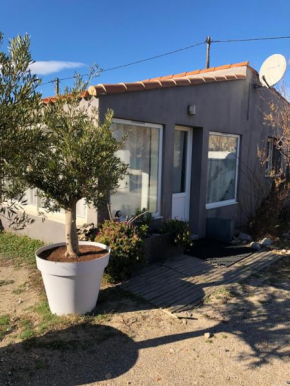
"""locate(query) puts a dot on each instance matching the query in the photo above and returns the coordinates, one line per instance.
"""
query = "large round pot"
(72, 288)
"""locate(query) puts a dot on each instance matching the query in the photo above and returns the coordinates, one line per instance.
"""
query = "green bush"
(126, 243)
(180, 231)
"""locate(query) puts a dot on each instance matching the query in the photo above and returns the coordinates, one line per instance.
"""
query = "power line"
(136, 62)
(154, 57)
(250, 39)
(174, 52)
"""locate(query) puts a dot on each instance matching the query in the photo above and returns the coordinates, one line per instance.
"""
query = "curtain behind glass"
(221, 172)
(141, 152)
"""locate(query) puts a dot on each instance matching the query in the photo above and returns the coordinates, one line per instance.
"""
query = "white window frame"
(55, 216)
(232, 201)
(187, 192)
(156, 214)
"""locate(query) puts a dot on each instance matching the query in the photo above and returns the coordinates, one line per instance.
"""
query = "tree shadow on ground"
(258, 314)
(74, 356)
(91, 353)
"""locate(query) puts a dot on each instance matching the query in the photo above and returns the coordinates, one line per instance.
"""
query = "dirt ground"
(241, 336)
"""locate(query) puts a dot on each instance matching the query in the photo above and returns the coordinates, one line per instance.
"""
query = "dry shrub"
(274, 207)
(273, 213)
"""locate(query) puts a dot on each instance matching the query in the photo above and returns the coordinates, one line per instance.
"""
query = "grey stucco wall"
(48, 231)
(232, 107)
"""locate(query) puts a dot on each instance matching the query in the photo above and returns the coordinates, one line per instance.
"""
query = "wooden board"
(181, 283)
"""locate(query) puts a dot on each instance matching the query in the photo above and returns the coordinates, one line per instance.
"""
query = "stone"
(245, 237)
(108, 376)
(255, 246)
(207, 335)
(266, 242)
(236, 242)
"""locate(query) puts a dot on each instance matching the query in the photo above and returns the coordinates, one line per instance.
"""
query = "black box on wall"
(220, 228)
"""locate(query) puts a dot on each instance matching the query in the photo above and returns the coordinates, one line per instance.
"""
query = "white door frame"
(186, 194)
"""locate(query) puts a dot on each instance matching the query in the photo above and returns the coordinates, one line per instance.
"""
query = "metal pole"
(57, 86)
(208, 41)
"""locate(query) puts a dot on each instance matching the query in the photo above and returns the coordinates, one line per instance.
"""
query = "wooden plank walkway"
(183, 282)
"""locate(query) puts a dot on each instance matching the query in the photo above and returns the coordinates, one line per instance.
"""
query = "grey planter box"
(159, 247)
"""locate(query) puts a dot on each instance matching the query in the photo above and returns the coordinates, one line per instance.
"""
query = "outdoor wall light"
(191, 110)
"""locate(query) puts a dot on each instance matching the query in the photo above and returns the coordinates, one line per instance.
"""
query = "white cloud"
(52, 66)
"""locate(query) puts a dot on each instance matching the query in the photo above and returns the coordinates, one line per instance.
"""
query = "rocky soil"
(241, 336)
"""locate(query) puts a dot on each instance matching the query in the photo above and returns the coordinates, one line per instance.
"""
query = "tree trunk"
(72, 243)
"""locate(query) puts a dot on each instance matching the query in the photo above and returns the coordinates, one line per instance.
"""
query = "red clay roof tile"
(168, 82)
(166, 77)
(240, 64)
(182, 74)
(227, 66)
(195, 72)
(182, 81)
(221, 78)
(198, 80)
(173, 80)
(135, 86)
(149, 85)
(115, 88)
(207, 70)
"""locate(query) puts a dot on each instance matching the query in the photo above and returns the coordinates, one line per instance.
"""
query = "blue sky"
(115, 32)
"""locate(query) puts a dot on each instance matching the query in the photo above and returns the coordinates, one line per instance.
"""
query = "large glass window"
(141, 151)
(222, 168)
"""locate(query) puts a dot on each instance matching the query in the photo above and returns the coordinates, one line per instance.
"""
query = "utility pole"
(208, 41)
(56, 86)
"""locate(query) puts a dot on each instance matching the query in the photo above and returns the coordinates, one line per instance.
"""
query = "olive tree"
(76, 158)
(19, 130)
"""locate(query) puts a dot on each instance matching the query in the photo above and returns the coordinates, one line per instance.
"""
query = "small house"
(191, 149)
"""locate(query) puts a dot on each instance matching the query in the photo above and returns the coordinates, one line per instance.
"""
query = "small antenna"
(208, 41)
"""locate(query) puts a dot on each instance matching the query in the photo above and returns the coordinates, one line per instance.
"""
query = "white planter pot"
(72, 288)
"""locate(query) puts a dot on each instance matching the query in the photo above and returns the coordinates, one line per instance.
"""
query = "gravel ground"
(241, 336)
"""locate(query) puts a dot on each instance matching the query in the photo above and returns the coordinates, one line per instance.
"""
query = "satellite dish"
(272, 70)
